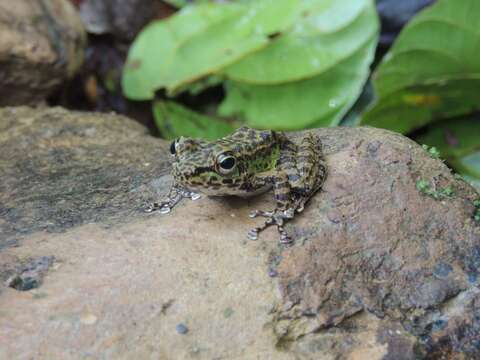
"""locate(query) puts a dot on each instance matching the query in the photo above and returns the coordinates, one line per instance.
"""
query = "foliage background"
(297, 64)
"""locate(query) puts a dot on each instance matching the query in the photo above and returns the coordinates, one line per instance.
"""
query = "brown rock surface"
(379, 270)
(41, 45)
(122, 18)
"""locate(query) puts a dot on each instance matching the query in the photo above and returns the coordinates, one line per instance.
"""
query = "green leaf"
(319, 101)
(363, 102)
(458, 142)
(432, 71)
(312, 74)
(174, 120)
(199, 40)
(325, 33)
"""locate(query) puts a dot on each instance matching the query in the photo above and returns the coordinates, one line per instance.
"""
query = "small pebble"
(272, 273)
(22, 283)
(181, 329)
(228, 312)
(88, 319)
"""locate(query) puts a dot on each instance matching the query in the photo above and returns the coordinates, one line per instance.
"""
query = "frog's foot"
(173, 199)
(277, 218)
(163, 207)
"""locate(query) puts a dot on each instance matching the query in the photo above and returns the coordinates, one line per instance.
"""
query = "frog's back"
(256, 150)
(246, 138)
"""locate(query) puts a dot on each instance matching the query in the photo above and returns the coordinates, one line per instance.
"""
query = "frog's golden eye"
(225, 163)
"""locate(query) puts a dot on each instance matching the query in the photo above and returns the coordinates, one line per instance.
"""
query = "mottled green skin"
(263, 159)
(195, 162)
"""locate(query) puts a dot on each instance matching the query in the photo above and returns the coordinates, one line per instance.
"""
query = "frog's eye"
(226, 163)
(173, 149)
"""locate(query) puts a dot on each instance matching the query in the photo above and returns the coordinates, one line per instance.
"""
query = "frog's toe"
(195, 196)
(162, 208)
(289, 213)
(253, 234)
(150, 208)
(277, 220)
(256, 213)
(284, 237)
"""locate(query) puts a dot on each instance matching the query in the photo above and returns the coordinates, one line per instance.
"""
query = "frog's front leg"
(282, 212)
(175, 195)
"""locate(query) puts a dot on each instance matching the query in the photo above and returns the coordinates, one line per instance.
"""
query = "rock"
(380, 268)
(376, 245)
(63, 169)
(29, 275)
(122, 18)
(41, 46)
(181, 329)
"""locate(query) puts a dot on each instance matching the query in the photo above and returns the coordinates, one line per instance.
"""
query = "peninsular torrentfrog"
(247, 163)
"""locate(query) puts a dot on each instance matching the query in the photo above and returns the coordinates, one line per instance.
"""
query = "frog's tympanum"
(247, 163)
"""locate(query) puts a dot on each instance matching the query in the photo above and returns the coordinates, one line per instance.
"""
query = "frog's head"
(210, 167)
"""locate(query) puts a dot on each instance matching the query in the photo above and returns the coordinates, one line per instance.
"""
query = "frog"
(247, 163)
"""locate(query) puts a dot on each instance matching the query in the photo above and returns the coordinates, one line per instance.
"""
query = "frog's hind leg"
(300, 173)
(283, 211)
(311, 170)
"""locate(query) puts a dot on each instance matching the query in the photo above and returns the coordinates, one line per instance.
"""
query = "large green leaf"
(199, 40)
(328, 32)
(432, 71)
(319, 101)
(174, 120)
(458, 141)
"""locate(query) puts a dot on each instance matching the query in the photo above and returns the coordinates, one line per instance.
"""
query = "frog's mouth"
(227, 191)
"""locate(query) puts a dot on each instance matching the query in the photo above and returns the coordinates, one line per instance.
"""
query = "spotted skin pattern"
(247, 163)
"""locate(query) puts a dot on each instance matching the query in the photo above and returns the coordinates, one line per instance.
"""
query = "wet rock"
(62, 169)
(181, 329)
(27, 275)
(41, 47)
(392, 250)
(122, 18)
(379, 269)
